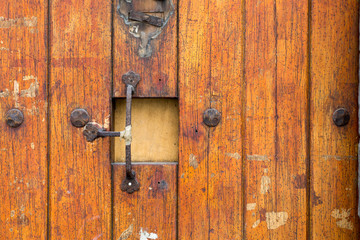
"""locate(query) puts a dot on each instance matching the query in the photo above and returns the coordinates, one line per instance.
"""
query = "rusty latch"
(146, 18)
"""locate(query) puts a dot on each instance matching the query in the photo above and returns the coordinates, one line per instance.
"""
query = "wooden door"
(275, 167)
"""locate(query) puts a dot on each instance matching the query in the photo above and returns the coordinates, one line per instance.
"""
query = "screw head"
(79, 117)
(341, 117)
(212, 117)
(14, 118)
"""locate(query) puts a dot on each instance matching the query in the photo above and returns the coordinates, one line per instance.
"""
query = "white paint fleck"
(276, 219)
(236, 155)
(250, 206)
(107, 122)
(265, 184)
(127, 233)
(144, 235)
(256, 223)
(4, 49)
(30, 77)
(18, 22)
(5, 93)
(342, 217)
(257, 157)
(192, 161)
(32, 146)
(31, 91)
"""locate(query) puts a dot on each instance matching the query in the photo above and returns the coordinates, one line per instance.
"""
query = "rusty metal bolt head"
(341, 117)
(14, 118)
(131, 78)
(79, 117)
(212, 117)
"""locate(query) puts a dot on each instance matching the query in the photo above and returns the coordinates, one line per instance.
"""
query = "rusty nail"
(341, 117)
(212, 117)
(14, 118)
(79, 117)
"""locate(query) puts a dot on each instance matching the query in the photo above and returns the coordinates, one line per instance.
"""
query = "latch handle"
(93, 131)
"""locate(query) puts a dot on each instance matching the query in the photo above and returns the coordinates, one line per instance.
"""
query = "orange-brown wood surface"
(276, 166)
(159, 71)
(80, 172)
(150, 212)
(23, 151)
(210, 76)
(276, 70)
(333, 150)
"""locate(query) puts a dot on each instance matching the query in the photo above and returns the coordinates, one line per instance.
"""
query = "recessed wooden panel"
(155, 130)
(23, 151)
(159, 71)
(80, 172)
(149, 213)
(211, 40)
(333, 152)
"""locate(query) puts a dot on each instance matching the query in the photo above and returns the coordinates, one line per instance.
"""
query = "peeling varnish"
(237, 156)
(276, 219)
(265, 184)
(338, 158)
(127, 233)
(18, 22)
(144, 235)
(192, 161)
(342, 217)
(257, 157)
(250, 206)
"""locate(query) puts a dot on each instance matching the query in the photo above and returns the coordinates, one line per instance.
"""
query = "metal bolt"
(79, 117)
(212, 117)
(341, 117)
(14, 118)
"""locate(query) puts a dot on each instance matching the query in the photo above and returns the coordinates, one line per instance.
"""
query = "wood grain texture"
(276, 66)
(150, 211)
(80, 183)
(210, 163)
(334, 84)
(23, 151)
(158, 72)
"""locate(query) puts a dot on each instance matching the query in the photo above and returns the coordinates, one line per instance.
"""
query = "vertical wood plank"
(334, 84)
(151, 212)
(159, 71)
(276, 65)
(210, 75)
(80, 190)
(23, 151)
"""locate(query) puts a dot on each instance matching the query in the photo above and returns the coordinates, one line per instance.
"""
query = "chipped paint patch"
(4, 49)
(343, 218)
(256, 223)
(107, 122)
(257, 157)
(31, 77)
(31, 91)
(265, 184)
(127, 233)
(18, 22)
(192, 161)
(234, 155)
(276, 219)
(32, 146)
(338, 158)
(5, 93)
(144, 235)
(250, 206)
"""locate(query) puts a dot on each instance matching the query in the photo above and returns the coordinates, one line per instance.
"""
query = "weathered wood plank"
(159, 71)
(23, 151)
(151, 212)
(80, 185)
(334, 84)
(276, 67)
(210, 75)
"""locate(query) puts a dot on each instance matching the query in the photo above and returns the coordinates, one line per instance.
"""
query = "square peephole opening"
(155, 130)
